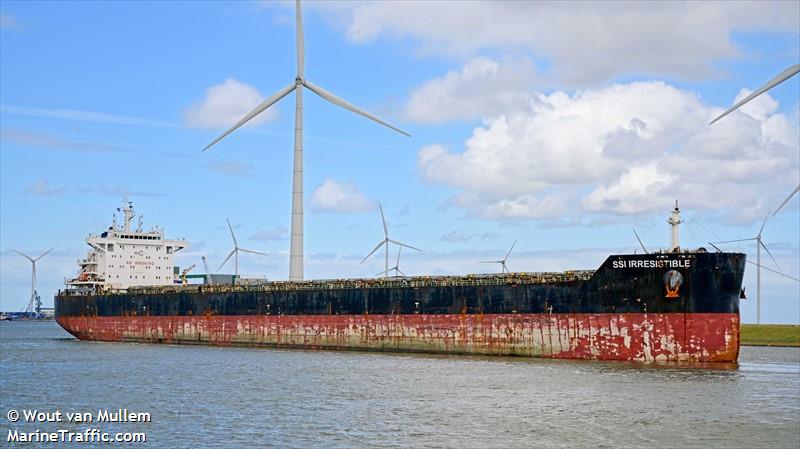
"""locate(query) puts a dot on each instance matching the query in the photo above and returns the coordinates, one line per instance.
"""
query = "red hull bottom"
(667, 337)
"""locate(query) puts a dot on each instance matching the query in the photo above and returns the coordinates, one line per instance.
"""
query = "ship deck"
(521, 278)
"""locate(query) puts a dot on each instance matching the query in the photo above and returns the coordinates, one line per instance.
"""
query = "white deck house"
(122, 257)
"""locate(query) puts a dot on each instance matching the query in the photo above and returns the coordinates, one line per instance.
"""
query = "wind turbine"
(235, 252)
(781, 77)
(396, 267)
(759, 245)
(794, 192)
(640, 241)
(503, 267)
(386, 240)
(208, 272)
(296, 246)
(35, 303)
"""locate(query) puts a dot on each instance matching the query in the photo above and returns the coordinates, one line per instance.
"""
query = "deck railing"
(366, 283)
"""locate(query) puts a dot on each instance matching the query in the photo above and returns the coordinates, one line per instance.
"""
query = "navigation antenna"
(674, 220)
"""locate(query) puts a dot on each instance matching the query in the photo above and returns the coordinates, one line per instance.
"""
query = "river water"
(200, 397)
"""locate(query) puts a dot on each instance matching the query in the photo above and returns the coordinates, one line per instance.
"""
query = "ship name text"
(683, 263)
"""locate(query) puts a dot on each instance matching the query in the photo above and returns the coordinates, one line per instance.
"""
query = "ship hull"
(645, 337)
(649, 307)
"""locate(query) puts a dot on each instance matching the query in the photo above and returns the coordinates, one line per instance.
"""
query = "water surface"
(202, 397)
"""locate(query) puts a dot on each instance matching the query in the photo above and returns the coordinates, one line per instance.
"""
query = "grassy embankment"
(770, 335)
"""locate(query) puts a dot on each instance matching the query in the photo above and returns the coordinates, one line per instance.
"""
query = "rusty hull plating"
(657, 307)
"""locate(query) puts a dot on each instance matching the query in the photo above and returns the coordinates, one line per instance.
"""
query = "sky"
(561, 126)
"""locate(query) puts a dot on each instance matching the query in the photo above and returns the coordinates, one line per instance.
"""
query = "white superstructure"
(122, 257)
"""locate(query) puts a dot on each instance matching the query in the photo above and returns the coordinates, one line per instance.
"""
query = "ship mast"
(127, 209)
(674, 220)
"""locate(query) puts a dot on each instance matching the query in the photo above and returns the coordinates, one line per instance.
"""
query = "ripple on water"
(232, 397)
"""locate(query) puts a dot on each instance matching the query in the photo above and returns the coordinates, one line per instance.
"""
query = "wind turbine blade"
(403, 244)
(490, 261)
(787, 200)
(400, 271)
(640, 242)
(300, 40)
(25, 256)
(509, 251)
(258, 109)
(253, 252)
(226, 259)
(232, 236)
(385, 229)
(776, 272)
(763, 224)
(43, 254)
(341, 103)
(383, 272)
(739, 240)
(770, 255)
(783, 76)
(399, 249)
(373, 251)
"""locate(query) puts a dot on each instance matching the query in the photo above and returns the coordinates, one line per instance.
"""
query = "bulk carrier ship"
(673, 305)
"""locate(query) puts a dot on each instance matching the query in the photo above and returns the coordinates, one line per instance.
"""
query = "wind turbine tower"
(35, 303)
(759, 245)
(300, 82)
(502, 262)
(235, 253)
(396, 268)
(386, 240)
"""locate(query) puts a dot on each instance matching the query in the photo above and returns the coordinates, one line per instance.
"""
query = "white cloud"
(231, 168)
(225, 104)
(43, 140)
(82, 116)
(340, 197)
(460, 236)
(622, 149)
(116, 190)
(276, 233)
(404, 210)
(41, 187)
(482, 88)
(585, 42)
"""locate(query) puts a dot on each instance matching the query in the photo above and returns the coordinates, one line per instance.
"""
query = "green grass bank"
(770, 335)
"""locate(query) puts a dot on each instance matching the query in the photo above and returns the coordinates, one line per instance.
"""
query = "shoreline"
(773, 335)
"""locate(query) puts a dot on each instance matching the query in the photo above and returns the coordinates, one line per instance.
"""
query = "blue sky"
(559, 125)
